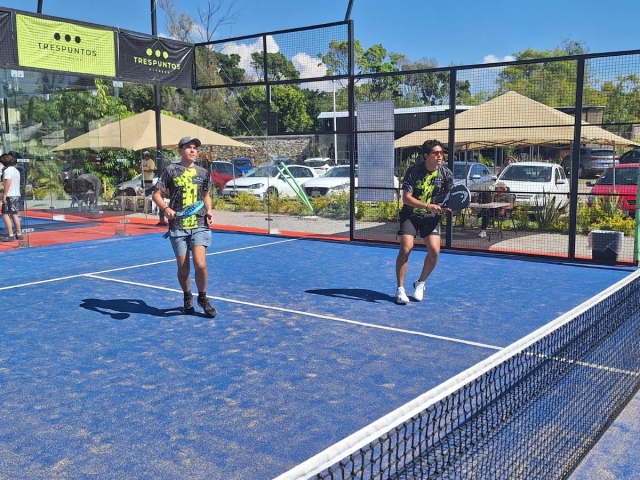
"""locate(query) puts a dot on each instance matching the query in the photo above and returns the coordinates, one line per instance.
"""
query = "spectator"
(90, 186)
(508, 161)
(11, 198)
(500, 195)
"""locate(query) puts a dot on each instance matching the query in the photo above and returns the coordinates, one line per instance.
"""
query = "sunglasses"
(437, 153)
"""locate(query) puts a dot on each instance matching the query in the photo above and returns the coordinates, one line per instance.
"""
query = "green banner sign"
(66, 47)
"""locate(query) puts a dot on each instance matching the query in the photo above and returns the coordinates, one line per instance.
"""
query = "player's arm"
(7, 184)
(206, 198)
(411, 201)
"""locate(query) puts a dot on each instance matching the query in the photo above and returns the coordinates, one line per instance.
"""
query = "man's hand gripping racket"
(191, 210)
(457, 199)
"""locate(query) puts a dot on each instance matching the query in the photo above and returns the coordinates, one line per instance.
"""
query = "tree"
(552, 83)
(370, 61)
(290, 106)
(277, 65)
(182, 26)
(622, 100)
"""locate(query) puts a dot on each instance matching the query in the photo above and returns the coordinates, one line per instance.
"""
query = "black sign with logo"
(146, 59)
(7, 40)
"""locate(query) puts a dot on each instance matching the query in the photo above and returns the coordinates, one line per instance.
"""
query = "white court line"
(308, 314)
(58, 279)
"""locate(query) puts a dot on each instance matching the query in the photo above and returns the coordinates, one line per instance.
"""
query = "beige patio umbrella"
(511, 120)
(139, 132)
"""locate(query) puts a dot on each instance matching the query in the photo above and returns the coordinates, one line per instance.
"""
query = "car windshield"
(619, 176)
(338, 172)
(602, 153)
(315, 163)
(460, 170)
(241, 162)
(264, 171)
(527, 173)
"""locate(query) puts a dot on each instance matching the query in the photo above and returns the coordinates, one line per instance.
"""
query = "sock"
(188, 294)
(202, 295)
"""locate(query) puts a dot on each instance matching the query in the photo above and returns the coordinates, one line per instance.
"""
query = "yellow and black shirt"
(185, 186)
(426, 186)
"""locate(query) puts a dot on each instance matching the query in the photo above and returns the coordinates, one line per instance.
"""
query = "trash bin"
(605, 246)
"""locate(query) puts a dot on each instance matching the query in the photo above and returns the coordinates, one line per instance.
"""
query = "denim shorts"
(183, 240)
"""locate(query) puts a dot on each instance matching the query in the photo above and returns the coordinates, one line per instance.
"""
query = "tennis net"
(531, 411)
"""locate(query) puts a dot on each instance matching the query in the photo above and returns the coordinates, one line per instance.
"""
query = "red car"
(221, 173)
(621, 181)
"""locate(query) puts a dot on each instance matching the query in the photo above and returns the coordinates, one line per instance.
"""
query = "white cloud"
(308, 66)
(244, 50)
(311, 67)
(491, 58)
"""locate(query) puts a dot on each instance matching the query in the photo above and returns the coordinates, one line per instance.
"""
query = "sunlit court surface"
(103, 376)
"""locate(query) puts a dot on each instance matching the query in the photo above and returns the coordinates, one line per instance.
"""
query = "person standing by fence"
(11, 198)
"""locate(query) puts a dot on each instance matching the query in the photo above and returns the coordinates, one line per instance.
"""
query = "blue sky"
(481, 32)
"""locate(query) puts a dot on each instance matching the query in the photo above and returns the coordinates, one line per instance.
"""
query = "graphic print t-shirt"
(186, 186)
(426, 186)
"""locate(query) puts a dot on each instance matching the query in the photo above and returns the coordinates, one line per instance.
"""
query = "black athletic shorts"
(425, 225)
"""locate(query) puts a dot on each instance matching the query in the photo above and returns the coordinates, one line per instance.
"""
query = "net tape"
(531, 411)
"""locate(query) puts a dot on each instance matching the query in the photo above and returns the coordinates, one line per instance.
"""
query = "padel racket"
(458, 198)
(190, 210)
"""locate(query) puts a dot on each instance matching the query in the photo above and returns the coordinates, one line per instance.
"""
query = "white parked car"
(135, 183)
(531, 182)
(320, 165)
(268, 180)
(336, 180)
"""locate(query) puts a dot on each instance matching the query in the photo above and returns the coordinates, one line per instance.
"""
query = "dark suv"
(632, 156)
(593, 161)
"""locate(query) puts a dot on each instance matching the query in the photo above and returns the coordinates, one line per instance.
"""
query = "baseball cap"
(146, 152)
(184, 140)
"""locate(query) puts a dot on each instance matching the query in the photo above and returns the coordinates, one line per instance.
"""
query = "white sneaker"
(482, 233)
(418, 293)
(401, 296)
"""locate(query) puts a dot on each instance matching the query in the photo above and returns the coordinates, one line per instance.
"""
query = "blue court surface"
(102, 376)
(34, 224)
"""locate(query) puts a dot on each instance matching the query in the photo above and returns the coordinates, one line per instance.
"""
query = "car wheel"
(272, 191)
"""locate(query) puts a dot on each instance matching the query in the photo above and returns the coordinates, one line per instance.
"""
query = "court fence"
(312, 92)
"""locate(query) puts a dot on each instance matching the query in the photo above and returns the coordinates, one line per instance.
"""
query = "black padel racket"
(190, 210)
(458, 198)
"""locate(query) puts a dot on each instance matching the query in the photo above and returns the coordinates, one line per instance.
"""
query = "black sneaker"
(188, 304)
(162, 224)
(9, 238)
(207, 307)
(20, 237)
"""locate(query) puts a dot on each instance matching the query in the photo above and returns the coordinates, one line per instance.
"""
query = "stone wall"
(297, 147)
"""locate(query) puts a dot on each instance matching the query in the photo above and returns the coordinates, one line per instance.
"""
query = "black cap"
(184, 140)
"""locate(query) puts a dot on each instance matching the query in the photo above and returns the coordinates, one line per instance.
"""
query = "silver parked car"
(593, 161)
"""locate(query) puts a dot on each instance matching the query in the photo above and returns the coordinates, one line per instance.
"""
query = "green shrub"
(547, 213)
(246, 202)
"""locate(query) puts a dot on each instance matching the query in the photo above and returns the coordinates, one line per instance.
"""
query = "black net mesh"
(532, 415)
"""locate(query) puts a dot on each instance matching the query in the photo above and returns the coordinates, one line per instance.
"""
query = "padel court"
(102, 376)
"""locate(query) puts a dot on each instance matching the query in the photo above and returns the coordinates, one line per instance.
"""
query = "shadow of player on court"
(361, 294)
(122, 309)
